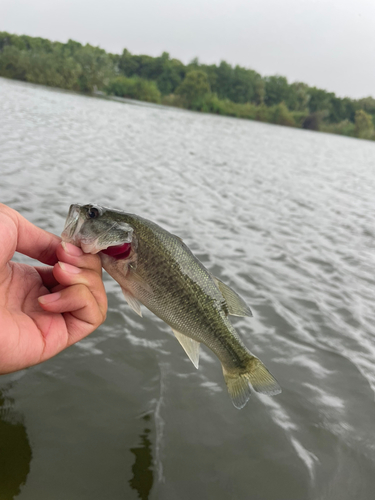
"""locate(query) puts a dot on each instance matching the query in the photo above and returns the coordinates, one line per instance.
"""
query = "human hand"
(44, 309)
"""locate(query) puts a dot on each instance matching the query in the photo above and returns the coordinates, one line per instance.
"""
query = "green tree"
(96, 68)
(345, 127)
(134, 88)
(280, 115)
(224, 80)
(223, 89)
(320, 100)
(194, 89)
(342, 109)
(71, 47)
(364, 127)
(277, 90)
(298, 99)
(13, 63)
(173, 72)
(209, 69)
(50, 69)
(314, 120)
(260, 91)
(126, 64)
(245, 85)
(367, 104)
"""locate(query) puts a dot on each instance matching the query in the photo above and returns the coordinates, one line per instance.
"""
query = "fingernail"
(71, 249)
(47, 299)
(69, 268)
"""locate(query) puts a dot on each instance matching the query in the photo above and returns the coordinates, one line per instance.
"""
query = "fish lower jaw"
(89, 248)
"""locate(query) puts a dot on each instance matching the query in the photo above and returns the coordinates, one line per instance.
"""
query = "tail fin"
(256, 375)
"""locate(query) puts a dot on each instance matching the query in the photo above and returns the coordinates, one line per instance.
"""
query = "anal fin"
(190, 346)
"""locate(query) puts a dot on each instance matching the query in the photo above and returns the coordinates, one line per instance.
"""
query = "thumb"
(18, 234)
(8, 238)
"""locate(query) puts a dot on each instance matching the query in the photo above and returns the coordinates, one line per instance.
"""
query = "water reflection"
(143, 475)
(15, 451)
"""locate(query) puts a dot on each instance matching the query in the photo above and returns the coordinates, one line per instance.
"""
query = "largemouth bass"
(156, 269)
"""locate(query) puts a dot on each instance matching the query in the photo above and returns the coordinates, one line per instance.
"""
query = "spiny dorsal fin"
(190, 346)
(132, 301)
(236, 305)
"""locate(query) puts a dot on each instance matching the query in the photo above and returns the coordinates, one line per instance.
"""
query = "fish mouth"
(118, 252)
(72, 225)
(90, 241)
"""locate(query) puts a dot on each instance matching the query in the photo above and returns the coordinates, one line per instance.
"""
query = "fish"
(157, 270)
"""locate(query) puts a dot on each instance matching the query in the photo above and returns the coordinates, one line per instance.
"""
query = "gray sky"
(327, 43)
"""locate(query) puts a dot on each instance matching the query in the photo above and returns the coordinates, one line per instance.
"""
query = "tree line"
(221, 89)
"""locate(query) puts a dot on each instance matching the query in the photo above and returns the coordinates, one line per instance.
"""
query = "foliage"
(319, 100)
(280, 115)
(298, 99)
(222, 89)
(134, 88)
(342, 109)
(277, 90)
(212, 104)
(364, 127)
(194, 89)
(69, 66)
(173, 100)
(345, 127)
(299, 117)
(313, 121)
(168, 73)
(367, 104)
(96, 67)
(237, 84)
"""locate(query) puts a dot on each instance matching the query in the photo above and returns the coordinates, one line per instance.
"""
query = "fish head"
(97, 229)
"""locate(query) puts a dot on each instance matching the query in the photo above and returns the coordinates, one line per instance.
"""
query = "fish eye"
(93, 213)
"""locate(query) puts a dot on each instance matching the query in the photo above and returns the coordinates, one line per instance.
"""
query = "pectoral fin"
(132, 301)
(135, 276)
(190, 346)
(236, 305)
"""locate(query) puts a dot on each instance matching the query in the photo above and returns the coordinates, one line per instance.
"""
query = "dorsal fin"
(236, 305)
(190, 346)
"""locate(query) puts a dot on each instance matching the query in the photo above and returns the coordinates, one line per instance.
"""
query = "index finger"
(22, 236)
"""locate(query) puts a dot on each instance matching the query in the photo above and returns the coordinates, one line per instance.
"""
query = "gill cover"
(89, 227)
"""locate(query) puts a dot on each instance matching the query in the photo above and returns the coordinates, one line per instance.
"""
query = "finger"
(22, 236)
(8, 236)
(48, 279)
(66, 252)
(81, 312)
(68, 275)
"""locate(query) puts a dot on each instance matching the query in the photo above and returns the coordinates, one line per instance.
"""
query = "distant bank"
(223, 89)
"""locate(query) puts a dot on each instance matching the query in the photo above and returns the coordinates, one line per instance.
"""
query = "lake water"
(286, 217)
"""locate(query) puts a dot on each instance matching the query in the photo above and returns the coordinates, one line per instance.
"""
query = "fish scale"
(159, 272)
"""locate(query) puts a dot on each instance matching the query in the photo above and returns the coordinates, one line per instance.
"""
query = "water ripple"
(286, 217)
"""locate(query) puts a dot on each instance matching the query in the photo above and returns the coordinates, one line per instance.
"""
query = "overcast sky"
(327, 43)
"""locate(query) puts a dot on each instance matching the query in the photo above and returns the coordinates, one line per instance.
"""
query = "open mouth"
(119, 251)
(80, 230)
